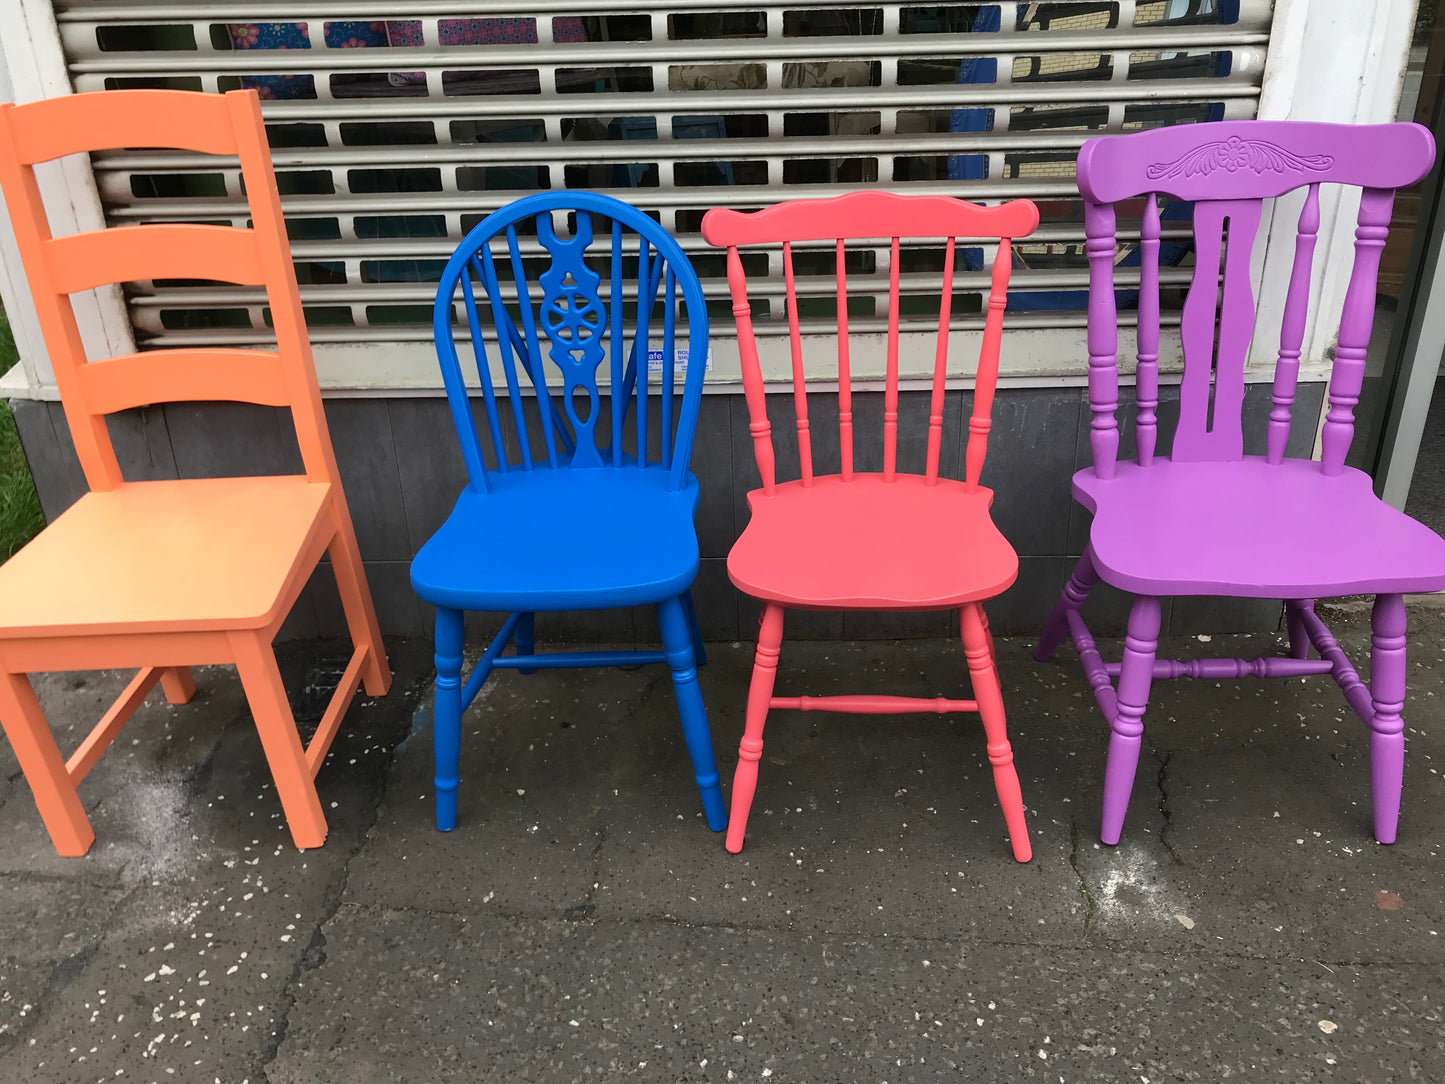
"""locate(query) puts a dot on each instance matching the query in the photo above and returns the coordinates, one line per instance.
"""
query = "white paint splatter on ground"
(1135, 888)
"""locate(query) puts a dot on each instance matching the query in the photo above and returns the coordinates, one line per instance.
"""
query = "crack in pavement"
(64, 973)
(1085, 890)
(1164, 811)
(588, 907)
(314, 954)
(391, 910)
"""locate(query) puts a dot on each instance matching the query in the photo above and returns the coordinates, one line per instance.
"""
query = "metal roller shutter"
(396, 126)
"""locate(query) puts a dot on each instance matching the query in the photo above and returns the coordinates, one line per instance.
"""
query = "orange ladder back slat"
(136, 253)
(75, 123)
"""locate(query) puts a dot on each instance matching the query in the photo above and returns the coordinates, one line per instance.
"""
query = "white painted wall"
(1338, 62)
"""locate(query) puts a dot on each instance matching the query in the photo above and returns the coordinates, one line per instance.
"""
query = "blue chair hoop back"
(569, 332)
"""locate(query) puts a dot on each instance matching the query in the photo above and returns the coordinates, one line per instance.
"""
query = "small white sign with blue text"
(654, 360)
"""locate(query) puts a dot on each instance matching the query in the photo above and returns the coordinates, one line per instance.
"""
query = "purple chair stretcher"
(1208, 519)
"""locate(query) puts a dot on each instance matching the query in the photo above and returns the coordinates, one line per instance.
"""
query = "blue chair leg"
(447, 714)
(677, 638)
(698, 654)
(525, 638)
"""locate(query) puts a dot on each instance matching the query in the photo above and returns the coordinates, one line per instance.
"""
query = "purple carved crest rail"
(1208, 519)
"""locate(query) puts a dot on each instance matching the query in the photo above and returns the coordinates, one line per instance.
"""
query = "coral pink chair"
(1210, 520)
(862, 541)
(165, 575)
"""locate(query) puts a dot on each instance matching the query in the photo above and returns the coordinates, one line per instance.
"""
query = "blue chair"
(604, 518)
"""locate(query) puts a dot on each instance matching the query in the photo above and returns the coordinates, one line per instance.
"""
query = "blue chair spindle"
(619, 365)
(669, 320)
(533, 350)
(504, 348)
(645, 300)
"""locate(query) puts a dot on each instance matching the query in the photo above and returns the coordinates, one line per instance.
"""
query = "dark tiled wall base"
(402, 470)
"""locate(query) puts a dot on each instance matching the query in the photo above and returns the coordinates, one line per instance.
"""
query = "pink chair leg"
(984, 673)
(1299, 637)
(988, 635)
(1136, 672)
(1075, 594)
(750, 750)
(1387, 729)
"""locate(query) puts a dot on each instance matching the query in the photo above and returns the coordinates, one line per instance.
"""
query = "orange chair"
(170, 574)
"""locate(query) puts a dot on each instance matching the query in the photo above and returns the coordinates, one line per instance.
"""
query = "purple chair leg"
(1299, 637)
(1075, 594)
(1136, 672)
(1387, 696)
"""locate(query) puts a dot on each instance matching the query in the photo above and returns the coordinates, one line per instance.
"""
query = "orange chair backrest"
(57, 267)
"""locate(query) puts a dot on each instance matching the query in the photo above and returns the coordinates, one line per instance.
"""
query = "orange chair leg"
(987, 693)
(360, 613)
(261, 678)
(760, 694)
(179, 684)
(44, 767)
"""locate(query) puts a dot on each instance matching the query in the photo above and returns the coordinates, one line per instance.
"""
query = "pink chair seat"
(1254, 529)
(871, 544)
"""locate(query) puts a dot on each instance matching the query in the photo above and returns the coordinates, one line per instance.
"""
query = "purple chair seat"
(1235, 529)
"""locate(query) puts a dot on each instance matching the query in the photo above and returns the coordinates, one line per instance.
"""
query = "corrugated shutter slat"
(396, 126)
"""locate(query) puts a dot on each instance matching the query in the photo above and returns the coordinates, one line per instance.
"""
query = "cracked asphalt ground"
(582, 923)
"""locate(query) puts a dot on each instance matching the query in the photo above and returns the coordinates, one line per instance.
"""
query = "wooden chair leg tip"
(75, 848)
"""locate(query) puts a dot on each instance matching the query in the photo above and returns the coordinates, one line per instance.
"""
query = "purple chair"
(1210, 520)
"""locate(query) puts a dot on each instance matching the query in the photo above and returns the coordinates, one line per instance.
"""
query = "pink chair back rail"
(1228, 169)
(868, 216)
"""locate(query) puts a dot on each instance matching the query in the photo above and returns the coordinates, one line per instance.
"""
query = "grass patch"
(20, 515)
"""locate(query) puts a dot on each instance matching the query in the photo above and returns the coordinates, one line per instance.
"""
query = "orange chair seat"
(871, 544)
(169, 556)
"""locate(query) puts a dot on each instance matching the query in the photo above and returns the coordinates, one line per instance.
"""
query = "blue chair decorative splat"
(585, 509)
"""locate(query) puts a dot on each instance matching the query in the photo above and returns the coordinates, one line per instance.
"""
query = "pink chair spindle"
(752, 376)
(940, 366)
(1103, 337)
(800, 387)
(1292, 329)
(1146, 390)
(1355, 324)
(845, 378)
(890, 394)
(987, 378)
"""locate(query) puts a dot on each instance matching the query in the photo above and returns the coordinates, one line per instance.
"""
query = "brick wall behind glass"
(402, 470)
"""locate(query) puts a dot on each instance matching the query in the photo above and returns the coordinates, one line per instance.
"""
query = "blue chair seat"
(566, 539)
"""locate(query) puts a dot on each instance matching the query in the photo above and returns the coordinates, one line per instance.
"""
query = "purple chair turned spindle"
(1210, 520)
